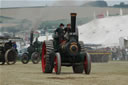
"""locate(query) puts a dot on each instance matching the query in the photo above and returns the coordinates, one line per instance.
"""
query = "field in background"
(112, 73)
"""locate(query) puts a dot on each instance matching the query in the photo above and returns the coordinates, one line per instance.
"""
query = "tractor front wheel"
(25, 58)
(87, 64)
(57, 63)
(78, 68)
(35, 58)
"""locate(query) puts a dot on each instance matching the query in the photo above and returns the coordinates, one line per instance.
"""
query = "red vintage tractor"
(69, 52)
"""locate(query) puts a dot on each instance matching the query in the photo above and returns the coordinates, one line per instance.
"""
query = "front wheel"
(77, 68)
(25, 58)
(87, 64)
(57, 63)
(35, 57)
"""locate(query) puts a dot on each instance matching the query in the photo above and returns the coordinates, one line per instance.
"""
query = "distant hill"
(4, 17)
(33, 17)
(55, 13)
(96, 4)
(11, 24)
(121, 5)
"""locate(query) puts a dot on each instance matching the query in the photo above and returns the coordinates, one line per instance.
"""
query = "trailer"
(98, 53)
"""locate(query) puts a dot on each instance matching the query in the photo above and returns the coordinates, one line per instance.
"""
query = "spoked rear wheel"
(57, 63)
(35, 57)
(47, 57)
(87, 64)
(25, 58)
(10, 56)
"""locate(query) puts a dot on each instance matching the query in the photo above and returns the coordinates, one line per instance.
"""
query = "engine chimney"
(31, 37)
(73, 22)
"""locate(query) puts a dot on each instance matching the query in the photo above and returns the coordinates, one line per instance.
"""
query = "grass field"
(112, 73)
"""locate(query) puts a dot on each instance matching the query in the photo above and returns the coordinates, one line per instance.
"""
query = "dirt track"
(112, 73)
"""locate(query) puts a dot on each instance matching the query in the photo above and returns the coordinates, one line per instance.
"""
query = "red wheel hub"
(85, 63)
(56, 63)
(43, 57)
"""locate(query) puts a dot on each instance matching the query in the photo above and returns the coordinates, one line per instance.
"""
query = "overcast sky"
(27, 3)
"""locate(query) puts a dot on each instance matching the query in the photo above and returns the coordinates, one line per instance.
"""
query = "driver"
(60, 33)
(8, 45)
(67, 30)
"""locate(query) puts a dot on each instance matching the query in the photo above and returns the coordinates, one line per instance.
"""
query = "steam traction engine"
(8, 54)
(33, 51)
(69, 52)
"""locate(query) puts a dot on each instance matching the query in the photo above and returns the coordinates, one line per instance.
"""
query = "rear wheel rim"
(43, 57)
